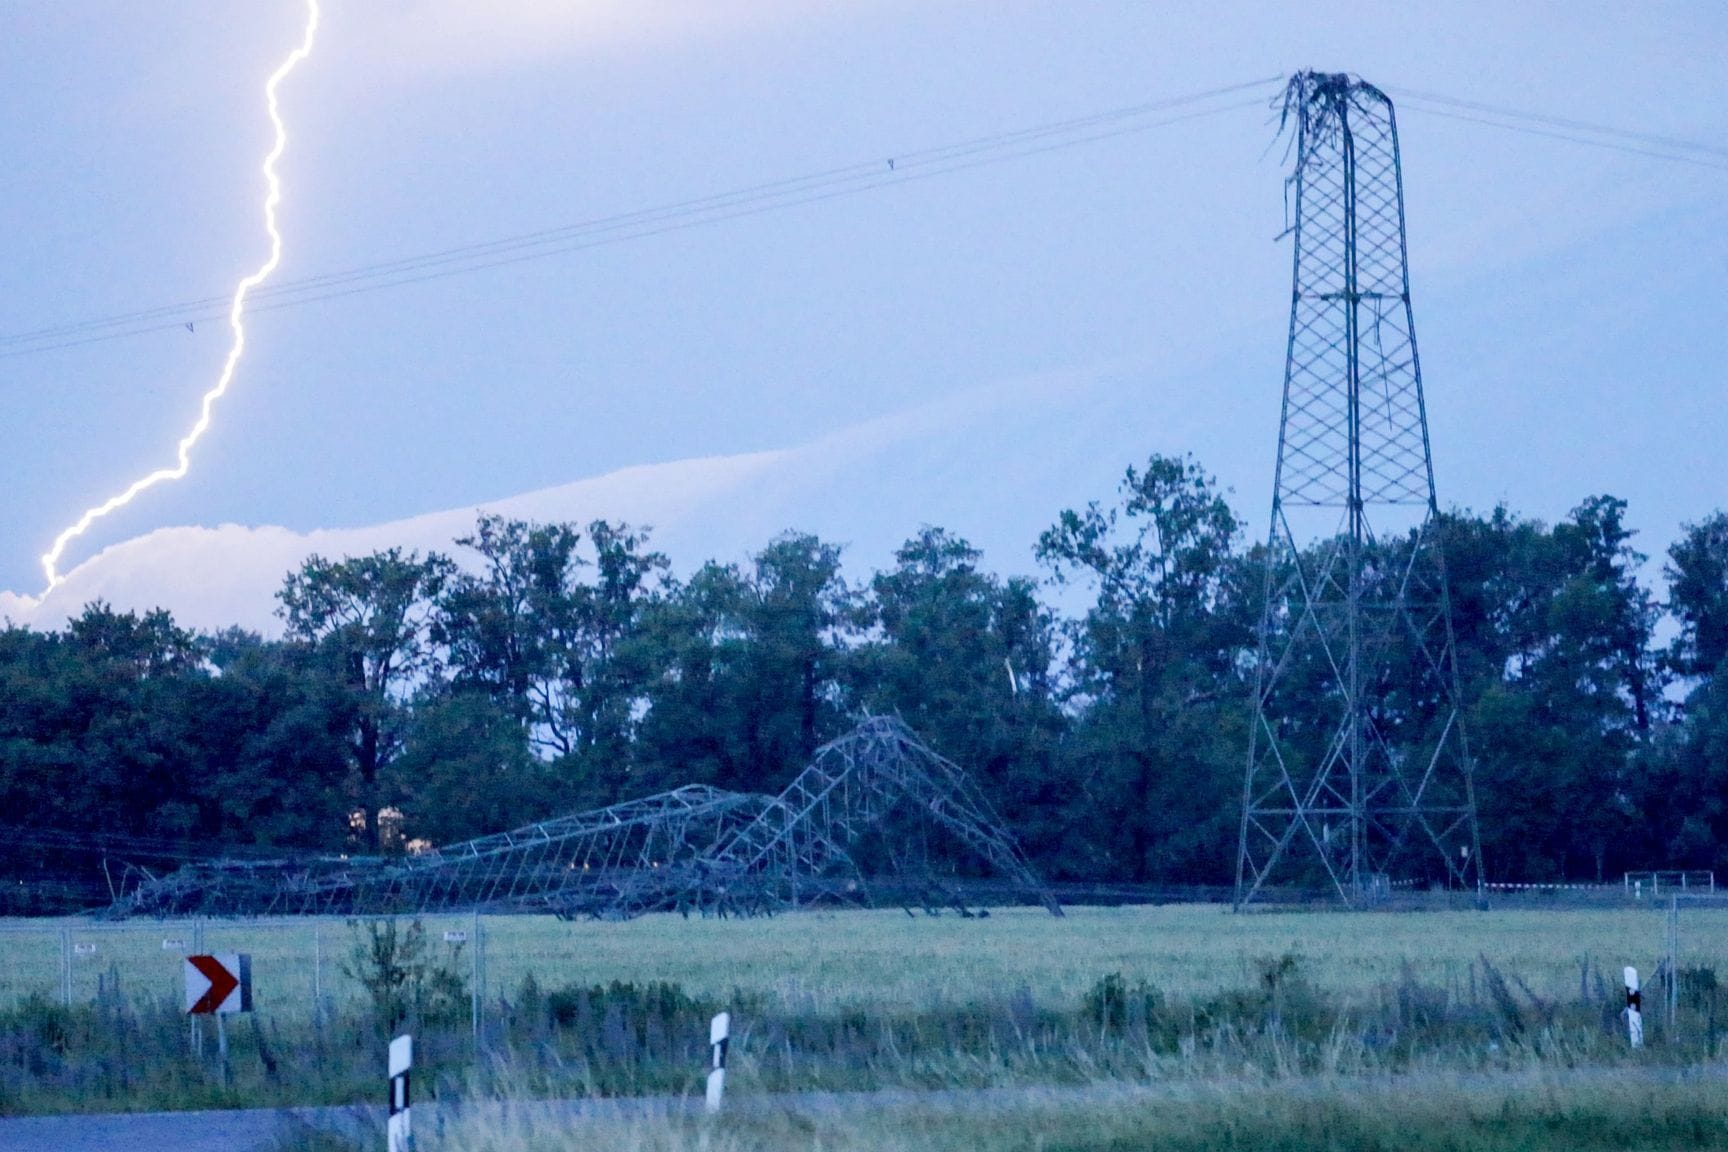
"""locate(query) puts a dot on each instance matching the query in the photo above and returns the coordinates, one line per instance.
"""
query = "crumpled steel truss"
(1358, 772)
(857, 824)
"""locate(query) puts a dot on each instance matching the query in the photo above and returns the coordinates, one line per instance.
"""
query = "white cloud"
(722, 506)
(213, 577)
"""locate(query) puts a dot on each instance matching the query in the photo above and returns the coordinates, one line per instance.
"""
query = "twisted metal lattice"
(691, 849)
(1358, 773)
(881, 789)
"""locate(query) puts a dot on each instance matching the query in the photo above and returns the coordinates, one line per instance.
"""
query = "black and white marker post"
(719, 1036)
(1634, 1009)
(400, 1133)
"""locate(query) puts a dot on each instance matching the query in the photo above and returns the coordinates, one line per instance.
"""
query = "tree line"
(538, 669)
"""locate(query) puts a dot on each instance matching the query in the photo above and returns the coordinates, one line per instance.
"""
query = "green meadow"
(1107, 1029)
(887, 960)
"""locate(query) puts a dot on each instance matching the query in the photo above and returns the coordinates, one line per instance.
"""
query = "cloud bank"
(213, 577)
(873, 482)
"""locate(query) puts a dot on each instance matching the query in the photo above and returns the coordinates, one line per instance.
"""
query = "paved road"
(253, 1129)
(246, 1131)
(250, 1131)
(232, 1131)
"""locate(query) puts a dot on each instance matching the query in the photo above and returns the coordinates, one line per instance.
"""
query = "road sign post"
(399, 1135)
(218, 985)
(1634, 1009)
(719, 1039)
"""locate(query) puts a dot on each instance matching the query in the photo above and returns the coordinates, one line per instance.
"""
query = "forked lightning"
(236, 313)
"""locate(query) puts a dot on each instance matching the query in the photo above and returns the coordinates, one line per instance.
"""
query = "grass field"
(888, 961)
(1428, 1113)
(1186, 999)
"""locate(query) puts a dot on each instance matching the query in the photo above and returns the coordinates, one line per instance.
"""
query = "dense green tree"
(126, 734)
(564, 668)
(466, 770)
(694, 639)
(966, 660)
(750, 668)
(132, 647)
(562, 655)
(501, 626)
(1157, 747)
(1697, 573)
(603, 661)
(371, 618)
(800, 616)
(498, 624)
(1555, 638)
(1684, 798)
(283, 776)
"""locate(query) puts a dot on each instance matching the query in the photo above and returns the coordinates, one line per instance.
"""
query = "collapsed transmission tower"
(855, 827)
(1358, 773)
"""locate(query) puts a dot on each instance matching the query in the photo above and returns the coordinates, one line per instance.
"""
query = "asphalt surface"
(254, 1129)
(247, 1131)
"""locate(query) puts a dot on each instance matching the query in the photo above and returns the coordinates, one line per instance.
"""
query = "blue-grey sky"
(978, 350)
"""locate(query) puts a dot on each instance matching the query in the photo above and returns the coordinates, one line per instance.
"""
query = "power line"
(848, 180)
(148, 847)
(1674, 143)
(827, 184)
(1646, 144)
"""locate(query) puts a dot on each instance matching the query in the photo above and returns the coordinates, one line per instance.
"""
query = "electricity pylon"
(878, 788)
(1358, 771)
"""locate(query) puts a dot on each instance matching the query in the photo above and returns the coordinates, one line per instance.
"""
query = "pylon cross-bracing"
(1358, 774)
(856, 826)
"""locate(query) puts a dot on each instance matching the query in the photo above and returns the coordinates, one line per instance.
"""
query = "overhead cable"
(774, 195)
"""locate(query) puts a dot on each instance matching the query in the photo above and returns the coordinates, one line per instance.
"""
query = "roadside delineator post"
(400, 1131)
(719, 1037)
(1634, 1009)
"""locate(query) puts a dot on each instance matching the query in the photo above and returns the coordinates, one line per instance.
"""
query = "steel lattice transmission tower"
(1358, 771)
(855, 826)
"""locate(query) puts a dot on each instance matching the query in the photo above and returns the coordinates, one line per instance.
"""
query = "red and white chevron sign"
(218, 984)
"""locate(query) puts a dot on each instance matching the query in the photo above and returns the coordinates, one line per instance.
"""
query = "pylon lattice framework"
(855, 827)
(1358, 770)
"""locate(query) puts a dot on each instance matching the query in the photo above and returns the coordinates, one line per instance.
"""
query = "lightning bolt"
(236, 313)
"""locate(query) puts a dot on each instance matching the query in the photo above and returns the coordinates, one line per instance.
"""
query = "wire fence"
(304, 966)
(307, 966)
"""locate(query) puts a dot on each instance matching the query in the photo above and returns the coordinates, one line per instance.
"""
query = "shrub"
(402, 981)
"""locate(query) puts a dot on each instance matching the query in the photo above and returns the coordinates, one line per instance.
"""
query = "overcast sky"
(977, 349)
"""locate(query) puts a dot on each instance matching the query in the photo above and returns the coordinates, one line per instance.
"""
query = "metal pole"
(719, 1039)
(222, 1047)
(66, 966)
(1353, 464)
(474, 982)
(1673, 969)
(317, 971)
(399, 1133)
(1634, 1009)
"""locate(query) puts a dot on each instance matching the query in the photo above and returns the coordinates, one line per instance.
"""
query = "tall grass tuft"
(634, 1039)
